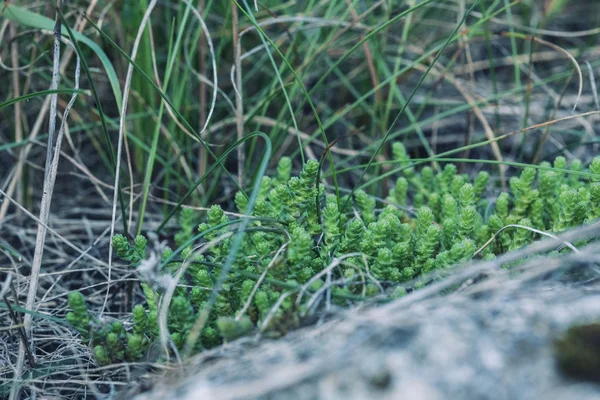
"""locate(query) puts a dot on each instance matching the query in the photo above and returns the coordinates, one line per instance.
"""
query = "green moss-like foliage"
(79, 317)
(577, 352)
(231, 328)
(381, 245)
(131, 252)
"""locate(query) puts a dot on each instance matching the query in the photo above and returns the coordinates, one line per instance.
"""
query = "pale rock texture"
(486, 335)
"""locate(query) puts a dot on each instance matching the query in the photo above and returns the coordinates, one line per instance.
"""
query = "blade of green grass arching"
(43, 93)
(366, 38)
(162, 94)
(172, 54)
(409, 114)
(110, 150)
(307, 96)
(279, 79)
(156, 135)
(211, 168)
(472, 32)
(172, 257)
(235, 246)
(403, 40)
(450, 38)
(20, 143)
(33, 20)
(513, 44)
(36, 314)
(491, 59)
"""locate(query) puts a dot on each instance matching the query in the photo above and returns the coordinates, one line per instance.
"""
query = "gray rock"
(484, 334)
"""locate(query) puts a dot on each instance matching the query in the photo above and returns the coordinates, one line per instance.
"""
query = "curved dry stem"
(215, 83)
(274, 309)
(52, 231)
(486, 244)
(37, 126)
(51, 170)
(336, 261)
(489, 133)
(563, 51)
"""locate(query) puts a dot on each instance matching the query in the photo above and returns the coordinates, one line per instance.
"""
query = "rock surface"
(486, 335)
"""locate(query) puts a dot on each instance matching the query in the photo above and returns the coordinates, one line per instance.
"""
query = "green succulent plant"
(432, 221)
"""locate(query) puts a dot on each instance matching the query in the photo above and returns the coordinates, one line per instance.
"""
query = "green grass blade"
(366, 38)
(281, 84)
(152, 155)
(237, 240)
(110, 149)
(29, 96)
(165, 98)
(307, 96)
(211, 168)
(33, 20)
(405, 105)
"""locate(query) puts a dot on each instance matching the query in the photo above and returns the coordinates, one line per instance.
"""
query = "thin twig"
(45, 204)
(368, 55)
(336, 261)
(52, 231)
(567, 54)
(239, 102)
(21, 329)
(126, 89)
(37, 126)
(593, 84)
(14, 54)
(486, 244)
(202, 89)
(260, 279)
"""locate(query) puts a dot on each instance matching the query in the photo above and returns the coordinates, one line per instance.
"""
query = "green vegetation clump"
(303, 240)
(577, 352)
(111, 342)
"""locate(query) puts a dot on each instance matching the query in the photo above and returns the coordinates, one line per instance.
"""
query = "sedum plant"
(299, 233)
